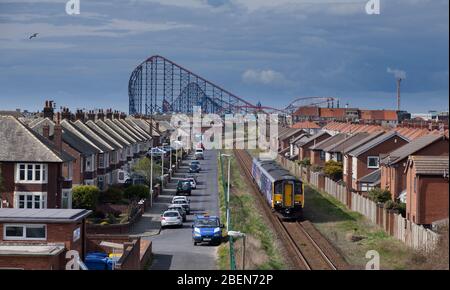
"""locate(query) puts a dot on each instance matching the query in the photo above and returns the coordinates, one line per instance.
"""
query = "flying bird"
(34, 35)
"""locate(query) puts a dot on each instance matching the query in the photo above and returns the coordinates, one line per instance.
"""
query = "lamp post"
(228, 189)
(236, 235)
(162, 168)
(151, 177)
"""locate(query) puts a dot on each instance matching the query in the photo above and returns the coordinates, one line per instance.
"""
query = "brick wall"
(33, 263)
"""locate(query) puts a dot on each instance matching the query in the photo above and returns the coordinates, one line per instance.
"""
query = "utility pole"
(228, 189)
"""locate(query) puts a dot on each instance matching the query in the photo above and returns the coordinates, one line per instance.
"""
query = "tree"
(380, 195)
(142, 168)
(138, 191)
(85, 196)
(334, 170)
(305, 162)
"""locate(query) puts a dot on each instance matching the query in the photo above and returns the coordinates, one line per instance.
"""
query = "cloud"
(398, 74)
(265, 77)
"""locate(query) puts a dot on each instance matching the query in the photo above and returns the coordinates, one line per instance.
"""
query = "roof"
(49, 215)
(430, 165)
(333, 112)
(299, 138)
(78, 142)
(15, 114)
(385, 115)
(347, 142)
(372, 178)
(328, 142)
(306, 125)
(18, 143)
(92, 136)
(31, 249)
(302, 142)
(113, 143)
(289, 133)
(375, 142)
(410, 148)
(370, 137)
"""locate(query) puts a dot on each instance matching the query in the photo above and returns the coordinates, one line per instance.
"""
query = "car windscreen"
(171, 214)
(206, 223)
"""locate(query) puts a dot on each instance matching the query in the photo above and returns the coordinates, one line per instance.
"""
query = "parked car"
(183, 198)
(171, 218)
(180, 209)
(184, 187)
(199, 154)
(186, 205)
(194, 168)
(193, 182)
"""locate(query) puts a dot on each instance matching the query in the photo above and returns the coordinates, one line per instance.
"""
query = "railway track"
(306, 247)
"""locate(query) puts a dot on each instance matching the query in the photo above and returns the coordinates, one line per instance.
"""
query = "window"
(101, 161)
(373, 162)
(31, 173)
(25, 232)
(322, 155)
(30, 200)
(345, 164)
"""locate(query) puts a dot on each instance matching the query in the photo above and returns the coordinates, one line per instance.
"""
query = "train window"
(298, 188)
(278, 188)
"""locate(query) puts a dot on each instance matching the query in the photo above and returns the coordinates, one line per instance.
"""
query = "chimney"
(57, 135)
(399, 81)
(66, 115)
(116, 115)
(157, 126)
(48, 110)
(100, 115)
(123, 115)
(109, 114)
(80, 115)
(91, 115)
(46, 131)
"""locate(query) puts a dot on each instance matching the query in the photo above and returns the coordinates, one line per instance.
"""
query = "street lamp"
(237, 235)
(228, 189)
(151, 177)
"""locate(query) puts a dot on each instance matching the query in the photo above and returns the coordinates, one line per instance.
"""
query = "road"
(173, 248)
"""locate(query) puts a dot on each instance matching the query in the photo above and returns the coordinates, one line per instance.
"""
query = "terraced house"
(36, 172)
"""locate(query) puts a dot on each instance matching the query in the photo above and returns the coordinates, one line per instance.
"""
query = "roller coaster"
(160, 86)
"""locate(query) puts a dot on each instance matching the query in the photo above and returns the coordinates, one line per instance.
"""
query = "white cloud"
(398, 74)
(265, 77)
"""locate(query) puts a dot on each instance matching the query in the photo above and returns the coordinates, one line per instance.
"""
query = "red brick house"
(393, 165)
(38, 239)
(366, 158)
(32, 167)
(318, 154)
(427, 189)
(303, 145)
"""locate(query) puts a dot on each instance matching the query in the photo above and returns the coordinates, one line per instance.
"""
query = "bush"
(395, 205)
(316, 168)
(138, 191)
(334, 170)
(379, 195)
(85, 196)
(305, 162)
(113, 195)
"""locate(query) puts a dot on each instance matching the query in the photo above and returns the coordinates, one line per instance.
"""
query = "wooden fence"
(413, 235)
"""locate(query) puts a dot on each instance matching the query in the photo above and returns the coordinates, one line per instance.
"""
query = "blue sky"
(267, 51)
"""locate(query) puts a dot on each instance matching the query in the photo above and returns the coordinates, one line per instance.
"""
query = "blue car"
(207, 229)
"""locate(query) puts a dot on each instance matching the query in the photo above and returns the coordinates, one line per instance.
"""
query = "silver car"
(179, 208)
(171, 218)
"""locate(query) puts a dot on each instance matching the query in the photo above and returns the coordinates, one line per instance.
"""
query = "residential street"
(173, 248)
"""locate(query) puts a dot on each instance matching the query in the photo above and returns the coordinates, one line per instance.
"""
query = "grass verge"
(261, 252)
(353, 234)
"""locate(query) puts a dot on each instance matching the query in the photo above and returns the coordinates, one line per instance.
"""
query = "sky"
(264, 51)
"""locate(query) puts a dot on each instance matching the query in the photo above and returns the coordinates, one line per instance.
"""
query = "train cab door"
(288, 194)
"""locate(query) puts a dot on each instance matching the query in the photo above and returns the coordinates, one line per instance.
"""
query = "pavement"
(173, 248)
